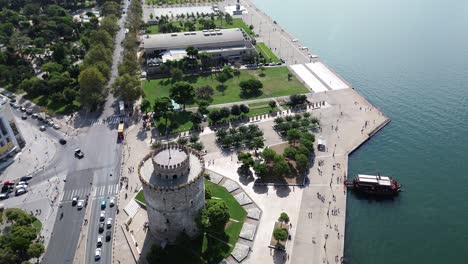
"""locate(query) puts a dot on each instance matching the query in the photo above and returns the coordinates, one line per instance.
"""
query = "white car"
(99, 241)
(80, 204)
(102, 217)
(97, 256)
(56, 127)
(42, 128)
(109, 223)
(112, 201)
(22, 183)
(21, 186)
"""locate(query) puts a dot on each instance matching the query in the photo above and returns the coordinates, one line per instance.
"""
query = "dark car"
(24, 117)
(26, 178)
(62, 141)
(79, 154)
(101, 227)
(108, 235)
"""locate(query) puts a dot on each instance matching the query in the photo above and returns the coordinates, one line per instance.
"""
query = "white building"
(11, 140)
(230, 44)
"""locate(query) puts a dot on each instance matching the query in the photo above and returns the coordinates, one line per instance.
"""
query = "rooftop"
(170, 157)
(194, 38)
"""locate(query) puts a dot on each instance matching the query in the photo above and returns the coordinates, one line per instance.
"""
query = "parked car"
(101, 227)
(42, 128)
(56, 127)
(79, 154)
(99, 241)
(21, 186)
(24, 117)
(3, 196)
(22, 109)
(34, 115)
(62, 141)
(22, 183)
(98, 254)
(21, 191)
(26, 178)
(80, 204)
(29, 111)
(108, 235)
(75, 200)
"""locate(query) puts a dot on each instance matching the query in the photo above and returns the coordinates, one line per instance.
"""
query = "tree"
(262, 71)
(109, 24)
(98, 53)
(69, 95)
(269, 155)
(297, 99)
(261, 170)
(206, 60)
(214, 216)
(289, 76)
(244, 108)
(281, 167)
(145, 105)
(235, 110)
(308, 136)
(192, 52)
(257, 143)
(176, 74)
(215, 116)
(293, 135)
(51, 67)
(302, 162)
(308, 144)
(35, 250)
(224, 112)
(250, 87)
(196, 118)
(290, 152)
(110, 8)
(246, 159)
(284, 218)
(128, 87)
(272, 104)
(280, 234)
(101, 37)
(221, 88)
(205, 93)
(163, 108)
(228, 18)
(91, 87)
(183, 93)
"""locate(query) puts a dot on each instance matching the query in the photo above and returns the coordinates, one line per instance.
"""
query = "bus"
(120, 131)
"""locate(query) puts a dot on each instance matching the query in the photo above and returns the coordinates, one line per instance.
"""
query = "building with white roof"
(230, 44)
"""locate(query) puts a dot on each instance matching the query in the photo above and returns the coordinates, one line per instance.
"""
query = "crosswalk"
(109, 120)
(99, 191)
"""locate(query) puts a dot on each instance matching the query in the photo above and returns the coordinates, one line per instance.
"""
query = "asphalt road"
(96, 175)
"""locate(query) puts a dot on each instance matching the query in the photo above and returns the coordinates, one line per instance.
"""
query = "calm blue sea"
(409, 58)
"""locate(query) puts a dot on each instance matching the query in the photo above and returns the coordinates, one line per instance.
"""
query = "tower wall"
(173, 209)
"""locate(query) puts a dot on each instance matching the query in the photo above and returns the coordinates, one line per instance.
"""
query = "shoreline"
(320, 239)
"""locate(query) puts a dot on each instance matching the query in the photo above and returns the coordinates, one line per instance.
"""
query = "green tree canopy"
(251, 87)
(183, 93)
(302, 162)
(293, 135)
(214, 216)
(280, 234)
(128, 87)
(284, 217)
(205, 93)
(92, 84)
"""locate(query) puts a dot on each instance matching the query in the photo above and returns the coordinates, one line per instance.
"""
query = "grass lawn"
(140, 197)
(275, 83)
(182, 118)
(37, 225)
(235, 210)
(266, 52)
(55, 107)
(153, 29)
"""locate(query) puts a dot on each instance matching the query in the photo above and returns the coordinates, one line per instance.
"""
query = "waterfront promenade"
(318, 231)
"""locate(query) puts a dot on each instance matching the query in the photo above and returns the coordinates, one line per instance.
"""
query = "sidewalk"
(136, 146)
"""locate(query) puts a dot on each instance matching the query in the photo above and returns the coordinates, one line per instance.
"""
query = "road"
(96, 175)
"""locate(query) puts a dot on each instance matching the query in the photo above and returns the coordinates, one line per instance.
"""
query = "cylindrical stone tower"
(174, 189)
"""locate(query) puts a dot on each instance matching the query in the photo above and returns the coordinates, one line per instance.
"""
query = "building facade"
(230, 45)
(174, 190)
(11, 140)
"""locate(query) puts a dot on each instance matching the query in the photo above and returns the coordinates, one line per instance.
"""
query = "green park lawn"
(55, 107)
(266, 52)
(275, 83)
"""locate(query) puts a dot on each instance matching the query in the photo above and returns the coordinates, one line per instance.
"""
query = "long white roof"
(383, 180)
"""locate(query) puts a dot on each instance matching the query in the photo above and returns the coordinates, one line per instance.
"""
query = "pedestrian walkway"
(101, 191)
(132, 208)
(82, 192)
